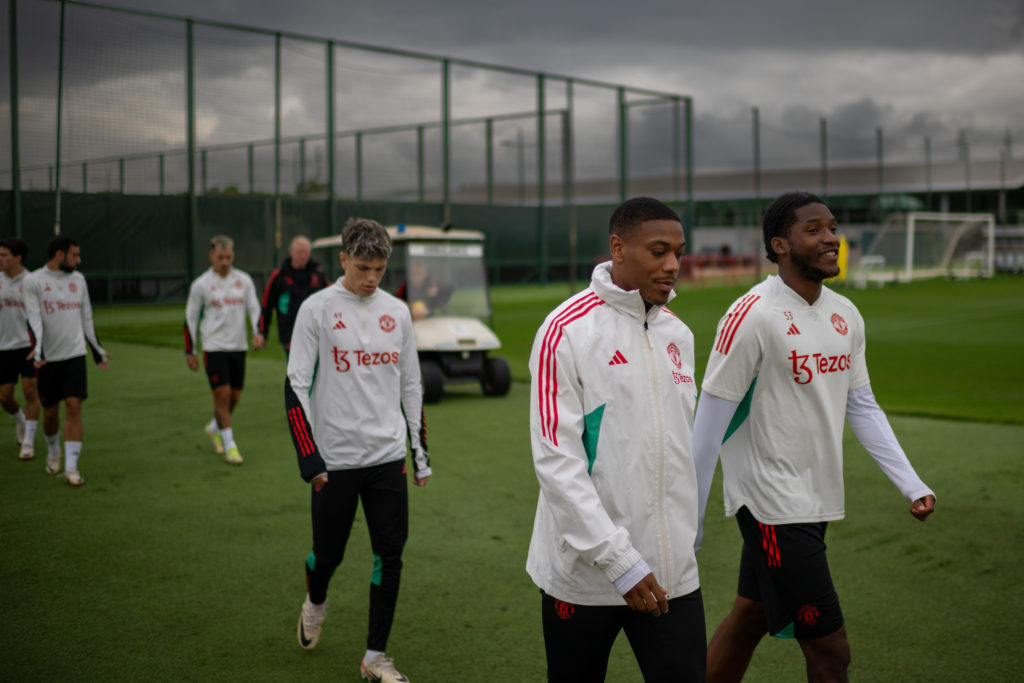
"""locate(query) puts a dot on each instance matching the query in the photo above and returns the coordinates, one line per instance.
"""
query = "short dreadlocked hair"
(781, 215)
(365, 239)
(632, 212)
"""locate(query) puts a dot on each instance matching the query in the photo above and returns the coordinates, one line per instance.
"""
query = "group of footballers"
(625, 454)
(623, 451)
(45, 324)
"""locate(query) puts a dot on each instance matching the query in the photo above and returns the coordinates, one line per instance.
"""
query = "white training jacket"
(60, 314)
(14, 332)
(352, 373)
(216, 308)
(611, 416)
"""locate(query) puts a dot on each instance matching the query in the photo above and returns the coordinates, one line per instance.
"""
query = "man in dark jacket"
(288, 286)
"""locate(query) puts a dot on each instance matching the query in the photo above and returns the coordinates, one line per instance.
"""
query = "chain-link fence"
(143, 134)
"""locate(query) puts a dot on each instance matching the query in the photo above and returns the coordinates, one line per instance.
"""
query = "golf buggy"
(441, 275)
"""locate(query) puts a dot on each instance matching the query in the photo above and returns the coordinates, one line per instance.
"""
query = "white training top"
(790, 365)
(611, 412)
(13, 320)
(58, 309)
(217, 305)
(354, 369)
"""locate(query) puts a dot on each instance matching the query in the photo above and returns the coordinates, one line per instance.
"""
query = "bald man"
(288, 286)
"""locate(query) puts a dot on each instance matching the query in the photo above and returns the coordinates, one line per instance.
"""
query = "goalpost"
(916, 245)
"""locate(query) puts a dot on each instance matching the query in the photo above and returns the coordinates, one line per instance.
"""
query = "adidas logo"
(340, 325)
(792, 329)
(618, 359)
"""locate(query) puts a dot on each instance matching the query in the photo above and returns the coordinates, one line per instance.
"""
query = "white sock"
(30, 430)
(72, 449)
(213, 427)
(227, 437)
(53, 442)
(370, 654)
(19, 417)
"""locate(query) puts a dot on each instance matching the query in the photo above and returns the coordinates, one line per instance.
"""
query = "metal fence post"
(60, 102)
(192, 220)
(928, 171)
(446, 113)
(359, 165)
(823, 128)
(881, 171)
(249, 163)
(623, 142)
(542, 237)
(568, 173)
(676, 149)
(756, 120)
(332, 219)
(489, 158)
(420, 161)
(691, 210)
(12, 34)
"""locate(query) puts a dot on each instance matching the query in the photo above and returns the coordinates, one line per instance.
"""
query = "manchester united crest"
(673, 354)
(387, 323)
(839, 324)
(72, 287)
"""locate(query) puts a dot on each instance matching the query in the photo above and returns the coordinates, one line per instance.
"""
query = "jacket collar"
(628, 303)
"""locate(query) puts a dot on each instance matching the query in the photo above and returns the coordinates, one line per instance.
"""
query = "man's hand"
(420, 481)
(104, 366)
(258, 342)
(193, 362)
(319, 480)
(922, 507)
(648, 596)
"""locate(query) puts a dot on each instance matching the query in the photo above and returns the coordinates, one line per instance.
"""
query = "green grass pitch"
(170, 564)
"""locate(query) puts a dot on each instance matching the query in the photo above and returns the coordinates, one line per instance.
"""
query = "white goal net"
(916, 245)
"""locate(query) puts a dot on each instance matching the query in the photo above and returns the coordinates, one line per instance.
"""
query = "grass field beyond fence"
(171, 565)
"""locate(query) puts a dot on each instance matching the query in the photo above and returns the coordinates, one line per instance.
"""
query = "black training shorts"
(225, 367)
(60, 379)
(14, 362)
(784, 566)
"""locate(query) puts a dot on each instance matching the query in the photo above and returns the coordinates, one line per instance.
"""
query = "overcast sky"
(957, 61)
(914, 67)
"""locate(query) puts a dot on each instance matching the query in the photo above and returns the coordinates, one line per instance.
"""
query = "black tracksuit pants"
(383, 490)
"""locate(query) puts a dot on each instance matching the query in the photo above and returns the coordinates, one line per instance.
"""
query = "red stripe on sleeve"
(299, 429)
(738, 313)
(548, 386)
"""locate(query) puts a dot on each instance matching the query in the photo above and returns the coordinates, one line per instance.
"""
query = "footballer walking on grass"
(16, 346)
(611, 415)
(217, 305)
(60, 314)
(787, 367)
(352, 397)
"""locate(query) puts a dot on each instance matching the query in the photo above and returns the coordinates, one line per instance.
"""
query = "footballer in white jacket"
(611, 415)
(352, 397)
